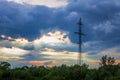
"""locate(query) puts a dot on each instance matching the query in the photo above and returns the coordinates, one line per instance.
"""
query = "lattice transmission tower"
(80, 34)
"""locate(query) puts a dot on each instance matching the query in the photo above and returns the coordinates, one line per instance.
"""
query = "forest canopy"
(107, 71)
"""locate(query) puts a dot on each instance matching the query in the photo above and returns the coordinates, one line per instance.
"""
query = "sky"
(41, 32)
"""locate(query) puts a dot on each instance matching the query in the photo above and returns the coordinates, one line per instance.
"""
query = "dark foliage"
(63, 72)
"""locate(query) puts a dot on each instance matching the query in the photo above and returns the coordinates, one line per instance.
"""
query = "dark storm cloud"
(95, 10)
(12, 16)
(33, 56)
(105, 15)
(27, 20)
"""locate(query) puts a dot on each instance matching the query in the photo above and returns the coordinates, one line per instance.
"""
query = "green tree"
(4, 66)
(110, 60)
(105, 60)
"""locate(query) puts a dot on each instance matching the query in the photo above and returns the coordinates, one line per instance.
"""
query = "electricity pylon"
(80, 34)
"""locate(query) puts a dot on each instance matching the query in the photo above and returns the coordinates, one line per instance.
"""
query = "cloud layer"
(26, 27)
(48, 3)
(53, 46)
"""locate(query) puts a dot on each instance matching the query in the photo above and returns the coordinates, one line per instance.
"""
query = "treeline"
(107, 71)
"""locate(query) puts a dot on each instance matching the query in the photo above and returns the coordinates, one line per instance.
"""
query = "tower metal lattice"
(80, 34)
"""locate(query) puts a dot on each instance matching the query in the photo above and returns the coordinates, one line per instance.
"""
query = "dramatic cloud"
(37, 25)
(107, 29)
(52, 54)
(49, 46)
(48, 3)
(11, 53)
(53, 39)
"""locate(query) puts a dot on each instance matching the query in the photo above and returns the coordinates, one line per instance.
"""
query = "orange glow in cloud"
(117, 61)
(93, 61)
(43, 63)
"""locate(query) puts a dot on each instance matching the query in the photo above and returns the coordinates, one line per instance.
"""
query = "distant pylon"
(80, 34)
